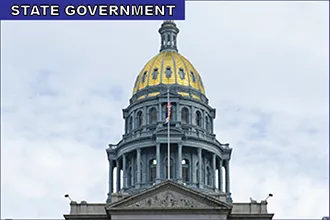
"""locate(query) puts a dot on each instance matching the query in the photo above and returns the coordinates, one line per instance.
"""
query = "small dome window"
(144, 76)
(155, 73)
(168, 72)
(181, 73)
(192, 76)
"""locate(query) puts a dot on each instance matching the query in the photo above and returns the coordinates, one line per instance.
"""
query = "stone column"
(213, 170)
(124, 172)
(145, 116)
(204, 120)
(172, 41)
(192, 113)
(138, 173)
(158, 163)
(110, 180)
(200, 168)
(220, 175)
(227, 176)
(179, 177)
(118, 176)
(134, 120)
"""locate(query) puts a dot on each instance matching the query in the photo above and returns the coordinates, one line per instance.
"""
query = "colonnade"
(217, 163)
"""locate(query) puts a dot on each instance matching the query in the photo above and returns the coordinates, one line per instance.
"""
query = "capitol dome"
(169, 69)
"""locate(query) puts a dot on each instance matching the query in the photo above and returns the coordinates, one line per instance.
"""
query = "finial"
(168, 32)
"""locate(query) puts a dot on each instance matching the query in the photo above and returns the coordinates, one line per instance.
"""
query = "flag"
(168, 113)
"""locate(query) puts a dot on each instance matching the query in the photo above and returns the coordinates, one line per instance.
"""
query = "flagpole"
(168, 135)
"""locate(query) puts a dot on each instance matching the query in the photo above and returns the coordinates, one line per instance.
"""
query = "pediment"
(169, 195)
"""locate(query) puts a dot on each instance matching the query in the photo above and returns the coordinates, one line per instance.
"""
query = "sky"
(265, 69)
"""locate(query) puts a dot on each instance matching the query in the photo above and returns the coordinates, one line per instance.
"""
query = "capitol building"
(169, 163)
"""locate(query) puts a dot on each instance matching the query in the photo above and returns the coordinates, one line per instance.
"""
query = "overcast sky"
(265, 69)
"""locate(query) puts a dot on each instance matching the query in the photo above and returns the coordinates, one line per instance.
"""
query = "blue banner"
(92, 10)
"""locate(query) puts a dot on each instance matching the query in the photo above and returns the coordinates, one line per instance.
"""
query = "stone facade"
(170, 200)
(142, 189)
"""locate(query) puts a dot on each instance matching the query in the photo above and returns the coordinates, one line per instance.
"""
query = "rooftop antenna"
(67, 196)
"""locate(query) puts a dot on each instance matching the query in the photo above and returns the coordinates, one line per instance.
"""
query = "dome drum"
(187, 114)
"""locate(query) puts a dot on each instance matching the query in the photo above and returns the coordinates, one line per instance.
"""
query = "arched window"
(173, 112)
(152, 116)
(184, 115)
(164, 111)
(171, 168)
(185, 171)
(208, 176)
(130, 123)
(129, 176)
(152, 165)
(139, 119)
(198, 118)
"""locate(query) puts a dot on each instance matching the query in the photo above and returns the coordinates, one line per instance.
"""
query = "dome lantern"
(168, 32)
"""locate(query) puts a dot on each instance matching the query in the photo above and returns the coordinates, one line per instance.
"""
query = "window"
(144, 76)
(139, 119)
(171, 168)
(129, 177)
(153, 164)
(155, 74)
(181, 73)
(173, 112)
(197, 172)
(208, 176)
(168, 39)
(168, 72)
(184, 115)
(152, 116)
(192, 76)
(185, 171)
(198, 118)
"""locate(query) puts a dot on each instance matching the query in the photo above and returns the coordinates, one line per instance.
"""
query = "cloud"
(265, 69)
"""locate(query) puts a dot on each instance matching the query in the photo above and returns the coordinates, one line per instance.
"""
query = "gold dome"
(169, 68)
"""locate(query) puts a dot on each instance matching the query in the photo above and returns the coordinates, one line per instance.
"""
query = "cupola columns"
(168, 35)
